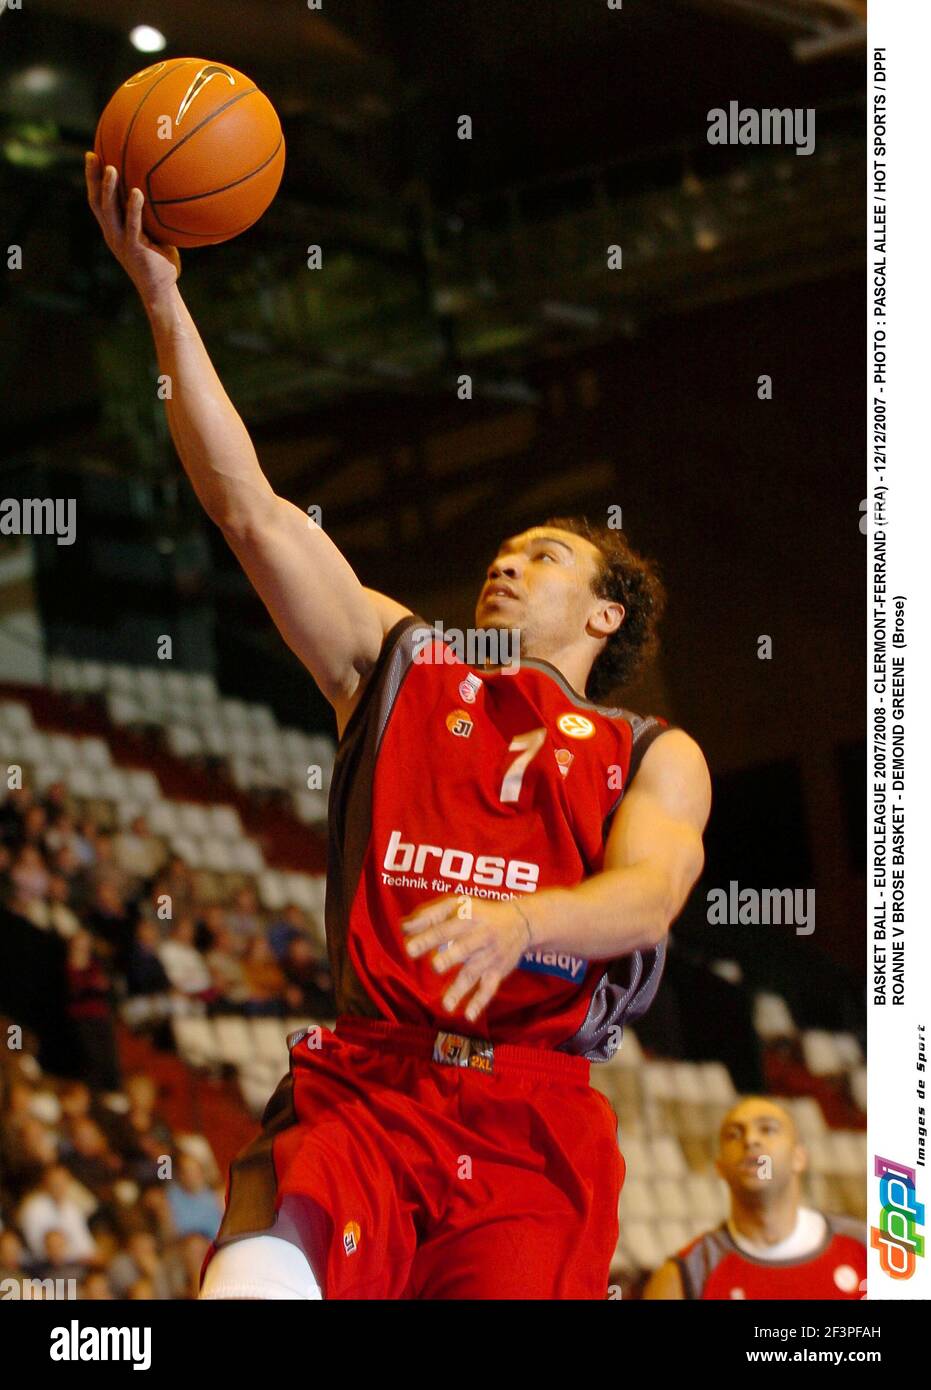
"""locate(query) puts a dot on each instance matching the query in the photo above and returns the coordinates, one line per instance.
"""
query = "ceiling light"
(36, 80)
(147, 39)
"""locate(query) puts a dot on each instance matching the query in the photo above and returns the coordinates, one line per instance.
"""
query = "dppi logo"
(896, 1236)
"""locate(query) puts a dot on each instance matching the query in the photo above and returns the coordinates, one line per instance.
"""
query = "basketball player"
(770, 1246)
(505, 858)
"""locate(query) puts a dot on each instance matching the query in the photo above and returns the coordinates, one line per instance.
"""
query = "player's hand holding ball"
(153, 268)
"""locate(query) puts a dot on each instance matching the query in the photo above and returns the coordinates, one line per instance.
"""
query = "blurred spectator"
(243, 918)
(56, 1262)
(139, 1134)
(85, 842)
(66, 864)
(29, 1147)
(61, 833)
(108, 919)
(183, 1265)
(53, 1205)
(90, 1011)
(226, 968)
(58, 801)
(265, 981)
(29, 880)
(61, 917)
(11, 1258)
(155, 1208)
(75, 1100)
(32, 828)
(184, 965)
(90, 1158)
(105, 871)
(139, 1261)
(194, 1206)
(12, 814)
(178, 882)
(96, 1286)
(292, 923)
(308, 979)
(145, 973)
(138, 852)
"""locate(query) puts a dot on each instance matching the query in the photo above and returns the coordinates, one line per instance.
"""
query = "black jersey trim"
(350, 806)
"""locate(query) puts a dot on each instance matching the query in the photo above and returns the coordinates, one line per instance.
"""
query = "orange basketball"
(203, 144)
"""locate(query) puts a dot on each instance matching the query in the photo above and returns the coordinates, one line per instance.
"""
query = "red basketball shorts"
(407, 1164)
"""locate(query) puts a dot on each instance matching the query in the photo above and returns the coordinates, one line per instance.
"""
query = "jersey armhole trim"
(389, 642)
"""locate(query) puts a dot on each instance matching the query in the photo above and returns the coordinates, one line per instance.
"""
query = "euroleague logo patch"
(351, 1237)
(459, 722)
(575, 726)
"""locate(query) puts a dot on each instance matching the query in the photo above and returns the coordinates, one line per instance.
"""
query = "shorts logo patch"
(455, 1050)
(459, 722)
(351, 1237)
(575, 726)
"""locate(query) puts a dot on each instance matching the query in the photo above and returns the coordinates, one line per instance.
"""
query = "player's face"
(759, 1149)
(541, 583)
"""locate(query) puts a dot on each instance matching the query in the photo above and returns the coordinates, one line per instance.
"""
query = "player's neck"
(767, 1223)
(573, 665)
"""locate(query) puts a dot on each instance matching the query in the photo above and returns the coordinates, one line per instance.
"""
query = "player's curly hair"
(628, 578)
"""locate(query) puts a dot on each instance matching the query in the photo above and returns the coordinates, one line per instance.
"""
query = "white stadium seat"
(142, 785)
(82, 782)
(273, 890)
(234, 1040)
(671, 1236)
(94, 752)
(671, 1199)
(112, 784)
(191, 818)
(217, 856)
(271, 1041)
(717, 1083)
(848, 1050)
(666, 1159)
(225, 822)
(637, 1202)
(196, 1041)
(246, 856)
(15, 717)
(821, 1054)
(639, 1240)
(183, 741)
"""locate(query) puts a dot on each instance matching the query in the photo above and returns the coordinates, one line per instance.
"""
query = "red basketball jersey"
(714, 1267)
(495, 783)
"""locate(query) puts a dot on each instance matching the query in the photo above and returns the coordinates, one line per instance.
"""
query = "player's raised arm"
(331, 623)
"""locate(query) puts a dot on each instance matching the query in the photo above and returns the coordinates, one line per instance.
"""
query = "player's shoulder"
(847, 1226)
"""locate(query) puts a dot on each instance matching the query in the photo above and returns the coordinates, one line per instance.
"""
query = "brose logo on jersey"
(487, 870)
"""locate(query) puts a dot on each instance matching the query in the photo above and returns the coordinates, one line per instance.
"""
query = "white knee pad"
(261, 1267)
